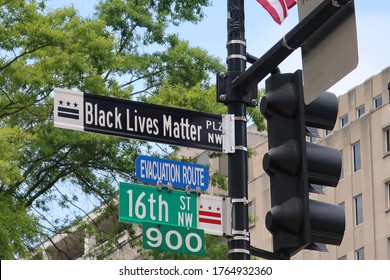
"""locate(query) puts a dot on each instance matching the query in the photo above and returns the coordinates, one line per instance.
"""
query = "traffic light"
(296, 167)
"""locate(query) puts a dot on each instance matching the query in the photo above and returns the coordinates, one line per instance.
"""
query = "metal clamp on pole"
(232, 42)
(285, 44)
(240, 118)
(236, 49)
(234, 56)
(240, 232)
(240, 200)
(242, 251)
(239, 237)
(241, 148)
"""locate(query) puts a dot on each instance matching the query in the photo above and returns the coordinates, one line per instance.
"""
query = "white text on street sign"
(179, 174)
(139, 204)
(173, 239)
(130, 119)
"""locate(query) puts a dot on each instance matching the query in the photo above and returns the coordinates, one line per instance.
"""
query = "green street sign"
(139, 204)
(173, 239)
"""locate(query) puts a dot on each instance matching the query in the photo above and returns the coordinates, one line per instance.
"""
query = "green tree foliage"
(18, 229)
(122, 46)
(122, 49)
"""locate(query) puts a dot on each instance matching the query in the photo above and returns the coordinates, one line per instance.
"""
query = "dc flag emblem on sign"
(214, 214)
(210, 215)
(277, 8)
(68, 109)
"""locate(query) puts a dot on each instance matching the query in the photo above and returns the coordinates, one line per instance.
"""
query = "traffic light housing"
(296, 167)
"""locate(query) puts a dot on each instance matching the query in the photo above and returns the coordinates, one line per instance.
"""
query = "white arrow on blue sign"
(179, 174)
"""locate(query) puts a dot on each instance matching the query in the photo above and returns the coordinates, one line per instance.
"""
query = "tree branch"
(26, 52)
(48, 186)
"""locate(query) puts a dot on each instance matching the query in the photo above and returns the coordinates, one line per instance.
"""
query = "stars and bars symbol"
(68, 110)
(210, 215)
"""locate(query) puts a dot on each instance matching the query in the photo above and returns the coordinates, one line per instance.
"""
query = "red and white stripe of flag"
(210, 215)
(277, 8)
(214, 214)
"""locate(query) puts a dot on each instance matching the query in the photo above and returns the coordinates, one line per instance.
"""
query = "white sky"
(372, 17)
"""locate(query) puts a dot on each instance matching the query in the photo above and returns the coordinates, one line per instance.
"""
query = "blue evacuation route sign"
(179, 174)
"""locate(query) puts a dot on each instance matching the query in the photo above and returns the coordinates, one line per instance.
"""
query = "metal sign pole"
(239, 243)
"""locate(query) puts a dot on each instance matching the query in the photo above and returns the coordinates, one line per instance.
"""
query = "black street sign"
(130, 119)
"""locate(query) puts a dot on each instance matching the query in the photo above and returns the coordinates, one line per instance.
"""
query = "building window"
(387, 139)
(378, 101)
(344, 120)
(360, 111)
(251, 212)
(342, 165)
(388, 194)
(358, 201)
(388, 247)
(360, 254)
(356, 157)
(388, 88)
(312, 139)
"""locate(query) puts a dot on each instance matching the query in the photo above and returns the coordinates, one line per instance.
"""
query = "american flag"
(277, 8)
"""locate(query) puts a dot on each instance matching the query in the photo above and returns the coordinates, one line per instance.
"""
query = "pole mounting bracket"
(228, 135)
